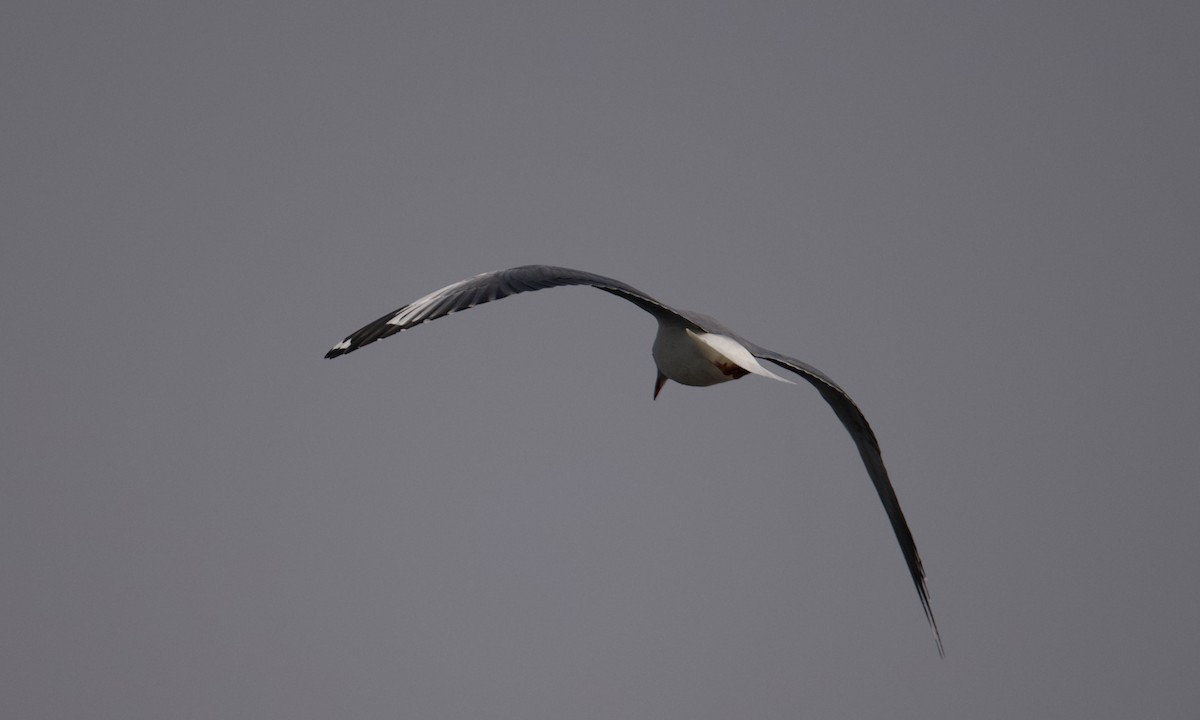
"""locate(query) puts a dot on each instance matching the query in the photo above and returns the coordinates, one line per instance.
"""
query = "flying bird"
(690, 348)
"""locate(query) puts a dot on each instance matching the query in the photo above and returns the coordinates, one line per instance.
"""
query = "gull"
(690, 348)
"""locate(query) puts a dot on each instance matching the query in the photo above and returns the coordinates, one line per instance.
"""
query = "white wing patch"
(736, 353)
(420, 305)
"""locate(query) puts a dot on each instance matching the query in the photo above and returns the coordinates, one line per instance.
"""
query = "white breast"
(691, 358)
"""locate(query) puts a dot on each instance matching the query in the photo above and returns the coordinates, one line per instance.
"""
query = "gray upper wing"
(868, 447)
(494, 286)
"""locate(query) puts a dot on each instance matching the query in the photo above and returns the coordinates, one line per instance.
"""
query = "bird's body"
(689, 348)
(701, 359)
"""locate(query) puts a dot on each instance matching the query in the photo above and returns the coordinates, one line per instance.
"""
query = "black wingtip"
(937, 638)
(937, 635)
(335, 352)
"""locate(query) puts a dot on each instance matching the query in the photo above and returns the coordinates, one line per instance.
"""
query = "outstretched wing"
(868, 448)
(493, 286)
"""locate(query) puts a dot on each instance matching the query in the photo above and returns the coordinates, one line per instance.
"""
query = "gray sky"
(982, 219)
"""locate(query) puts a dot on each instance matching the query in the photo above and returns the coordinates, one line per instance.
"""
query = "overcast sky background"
(982, 219)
